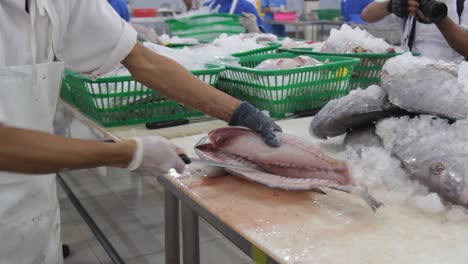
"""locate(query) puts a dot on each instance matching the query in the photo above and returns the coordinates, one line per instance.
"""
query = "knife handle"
(185, 158)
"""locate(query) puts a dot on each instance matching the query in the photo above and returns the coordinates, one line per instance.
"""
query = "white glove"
(249, 21)
(155, 156)
(283, 8)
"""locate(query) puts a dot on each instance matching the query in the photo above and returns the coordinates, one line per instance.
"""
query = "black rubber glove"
(247, 115)
(398, 7)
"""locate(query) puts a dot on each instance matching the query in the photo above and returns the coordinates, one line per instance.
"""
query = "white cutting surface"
(304, 227)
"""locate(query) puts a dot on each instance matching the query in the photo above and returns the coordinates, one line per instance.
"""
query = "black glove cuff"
(249, 116)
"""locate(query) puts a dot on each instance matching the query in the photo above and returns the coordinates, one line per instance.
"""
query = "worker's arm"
(375, 12)
(188, 4)
(28, 151)
(456, 36)
(171, 79)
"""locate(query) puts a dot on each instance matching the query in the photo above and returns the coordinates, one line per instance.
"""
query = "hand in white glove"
(249, 21)
(155, 156)
(283, 8)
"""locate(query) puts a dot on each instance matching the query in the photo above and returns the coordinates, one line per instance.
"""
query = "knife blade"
(189, 160)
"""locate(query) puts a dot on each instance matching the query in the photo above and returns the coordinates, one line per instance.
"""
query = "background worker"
(250, 18)
(37, 39)
(269, 7)
(442, 37)
(353, 7)
(120, 6)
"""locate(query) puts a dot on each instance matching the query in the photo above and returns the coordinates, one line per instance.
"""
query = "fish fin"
(318, 190)
(373, 203)
(362, 191)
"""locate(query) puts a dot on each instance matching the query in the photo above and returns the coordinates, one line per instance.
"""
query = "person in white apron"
(88, 37)
(441, 40)
(250, 19)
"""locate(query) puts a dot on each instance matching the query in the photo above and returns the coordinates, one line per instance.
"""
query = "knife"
(188, 160)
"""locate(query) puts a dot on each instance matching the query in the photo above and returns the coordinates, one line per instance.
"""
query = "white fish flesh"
(287, 63)
(296, 165)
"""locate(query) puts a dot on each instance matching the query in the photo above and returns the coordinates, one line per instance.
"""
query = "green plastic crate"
(205, 27)
(283, 92)
(269, 49)
(328, 14)
(366, 73)
(117, 101)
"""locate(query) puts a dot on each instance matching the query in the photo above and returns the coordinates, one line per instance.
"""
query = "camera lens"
(433, 9)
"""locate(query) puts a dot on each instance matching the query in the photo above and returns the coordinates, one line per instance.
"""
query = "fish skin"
(296, 165)
(357, 109)
(439, 165)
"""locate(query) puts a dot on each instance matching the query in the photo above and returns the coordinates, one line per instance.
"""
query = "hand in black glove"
(247, 115)
(398, 7)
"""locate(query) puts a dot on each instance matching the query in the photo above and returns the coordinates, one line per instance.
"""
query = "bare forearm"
(28, 151)
(374, 12)
(456, 36)
(171, 79)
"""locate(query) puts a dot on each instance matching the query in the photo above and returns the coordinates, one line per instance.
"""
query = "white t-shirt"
(88, 35)
(430, 42)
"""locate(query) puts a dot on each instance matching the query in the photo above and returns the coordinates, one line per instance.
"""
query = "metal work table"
(275, 226)
(303, 23)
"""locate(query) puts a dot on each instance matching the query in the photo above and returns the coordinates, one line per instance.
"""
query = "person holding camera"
(436, 29)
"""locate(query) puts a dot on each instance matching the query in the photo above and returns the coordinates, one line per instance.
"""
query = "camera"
(433, 9)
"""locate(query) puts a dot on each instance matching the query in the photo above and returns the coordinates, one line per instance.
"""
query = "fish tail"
(373, 203)
(362, 191)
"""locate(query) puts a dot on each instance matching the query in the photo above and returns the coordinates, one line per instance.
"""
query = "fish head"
(447, 175)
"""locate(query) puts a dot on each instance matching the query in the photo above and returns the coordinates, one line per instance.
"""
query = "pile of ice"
(377, 168)
(347, 39)
(288, 43)
(444, 93)
(229, 44)
(166, 39)
(401, 64)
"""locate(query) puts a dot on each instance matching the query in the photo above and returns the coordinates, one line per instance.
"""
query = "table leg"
(171, 228)
(297, 32)
(190, 236)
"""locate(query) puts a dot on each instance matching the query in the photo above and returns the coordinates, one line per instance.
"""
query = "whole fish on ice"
(359, 108)
(428, 87)
(296, 165)
(435, 157)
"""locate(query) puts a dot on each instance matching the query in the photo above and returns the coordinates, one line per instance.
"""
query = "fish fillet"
(296, 165)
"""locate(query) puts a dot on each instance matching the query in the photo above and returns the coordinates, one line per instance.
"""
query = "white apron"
(29, 211)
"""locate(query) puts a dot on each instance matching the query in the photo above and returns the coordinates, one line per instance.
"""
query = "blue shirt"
(121, 7)
(271, 3)
(353, 7)
(243, 6)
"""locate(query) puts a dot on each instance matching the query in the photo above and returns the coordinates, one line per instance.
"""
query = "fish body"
(358, 108)
(296, 165)
(438, 164)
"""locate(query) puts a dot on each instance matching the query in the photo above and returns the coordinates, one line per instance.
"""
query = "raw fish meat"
(296, 165)
(287, 63)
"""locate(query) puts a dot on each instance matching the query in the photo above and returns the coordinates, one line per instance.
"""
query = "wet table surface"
(306, 227)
